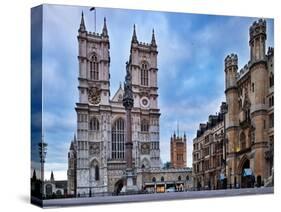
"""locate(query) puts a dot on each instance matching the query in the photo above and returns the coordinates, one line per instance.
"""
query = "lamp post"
(42, 147)
(224, 110)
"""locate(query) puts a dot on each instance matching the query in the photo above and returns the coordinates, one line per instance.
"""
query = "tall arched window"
(94, 124)
(271, 80)
(162, 179)
(94, 171)
(154, 179)
(242, 141)
(144, 125)
(94, 68)
(97, 173)
(144, 74)
(118, 139)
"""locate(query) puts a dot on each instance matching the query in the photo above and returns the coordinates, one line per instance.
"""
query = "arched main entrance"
(246, 174)
(118, 186)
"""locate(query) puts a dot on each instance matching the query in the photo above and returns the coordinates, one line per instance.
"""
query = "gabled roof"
(118, 95)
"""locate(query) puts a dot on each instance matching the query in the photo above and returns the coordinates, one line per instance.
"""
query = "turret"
(231, 67)
(231, 92)
(257, 40)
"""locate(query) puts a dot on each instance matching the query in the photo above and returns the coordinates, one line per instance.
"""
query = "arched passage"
(246, 174)
(118, 186)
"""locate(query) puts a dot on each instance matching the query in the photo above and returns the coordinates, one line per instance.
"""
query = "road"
(156, 197)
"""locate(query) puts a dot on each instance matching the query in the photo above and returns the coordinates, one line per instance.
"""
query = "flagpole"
(91, 9)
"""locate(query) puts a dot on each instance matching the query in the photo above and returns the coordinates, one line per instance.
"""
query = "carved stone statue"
(128, 99)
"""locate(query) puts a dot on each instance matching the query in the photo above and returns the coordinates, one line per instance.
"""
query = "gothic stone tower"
(72, 166)
(259, 86)
(231, 122)
(143, 67)
(92, 110)
(178, 151)
(249, 123)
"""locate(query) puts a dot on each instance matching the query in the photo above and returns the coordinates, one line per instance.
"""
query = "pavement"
(155, 197)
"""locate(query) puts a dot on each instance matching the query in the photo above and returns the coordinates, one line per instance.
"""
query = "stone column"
(128, 103)
(128, 143)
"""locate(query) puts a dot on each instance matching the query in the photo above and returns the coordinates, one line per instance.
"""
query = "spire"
(184, 136)
(134, 37)
(104, 29)
(82, 24)
(153, 41)
(52, 177)
(34, 175)
(71, 146)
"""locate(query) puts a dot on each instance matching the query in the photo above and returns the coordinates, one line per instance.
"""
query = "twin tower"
(99, 160)
(249, 120)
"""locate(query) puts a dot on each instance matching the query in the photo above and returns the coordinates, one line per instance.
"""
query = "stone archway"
(118, 186)
(245, 176)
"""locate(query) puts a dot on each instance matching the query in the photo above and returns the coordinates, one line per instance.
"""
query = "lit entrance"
(247, 178)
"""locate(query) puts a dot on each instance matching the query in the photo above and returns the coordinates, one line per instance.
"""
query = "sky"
(191, 47)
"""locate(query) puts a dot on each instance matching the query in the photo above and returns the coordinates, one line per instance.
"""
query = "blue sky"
(191, 56)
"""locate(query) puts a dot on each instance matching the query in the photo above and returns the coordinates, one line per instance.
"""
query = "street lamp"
(42, 147)
(224, 110)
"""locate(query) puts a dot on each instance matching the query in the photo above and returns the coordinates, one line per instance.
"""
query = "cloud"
(188, 116)
(191, 49)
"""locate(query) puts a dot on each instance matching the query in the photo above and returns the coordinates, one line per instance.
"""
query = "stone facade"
(208, 153)
(249, 121)
(178, 151)
(101, 119)
(163, 180)
(53, 188)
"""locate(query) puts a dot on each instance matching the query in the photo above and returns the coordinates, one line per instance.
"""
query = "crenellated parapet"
(243, 71)
(257, 41)
(231, 61)
(258, 28)
(231, 67)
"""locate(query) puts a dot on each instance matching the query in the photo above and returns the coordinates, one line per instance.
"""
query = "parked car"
(170, 190)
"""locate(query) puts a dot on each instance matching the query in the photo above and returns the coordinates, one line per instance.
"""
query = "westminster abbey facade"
(97, 153)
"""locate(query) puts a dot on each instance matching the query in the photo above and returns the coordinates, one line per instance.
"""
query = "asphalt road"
(155, 197)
